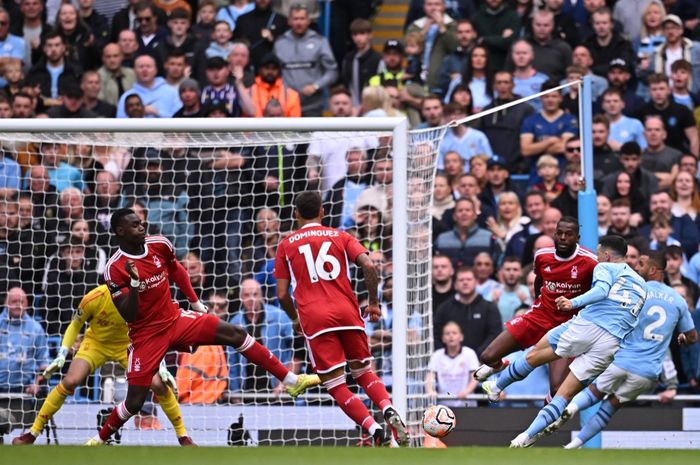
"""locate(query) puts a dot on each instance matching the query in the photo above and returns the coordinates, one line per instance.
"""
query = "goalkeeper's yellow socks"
(52, 404)
(171, 408)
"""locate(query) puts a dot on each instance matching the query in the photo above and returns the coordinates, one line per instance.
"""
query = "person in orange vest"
(268, 85)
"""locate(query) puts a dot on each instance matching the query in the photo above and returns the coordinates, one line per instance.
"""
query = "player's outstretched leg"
(492, 356)
(236, 337)
(581, 401)
(168, 402)
(596, 424)
(376, 391)
(135, 397)
(78, 371)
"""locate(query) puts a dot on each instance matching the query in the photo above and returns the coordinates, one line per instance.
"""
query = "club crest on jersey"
(574, 272)
(142, 286)
(551, 287)
(156, 260)
(137, 364)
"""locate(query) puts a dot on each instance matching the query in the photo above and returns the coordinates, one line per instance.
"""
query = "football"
(439, 421)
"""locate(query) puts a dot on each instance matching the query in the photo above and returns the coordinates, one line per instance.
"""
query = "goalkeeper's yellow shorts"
(98, 353)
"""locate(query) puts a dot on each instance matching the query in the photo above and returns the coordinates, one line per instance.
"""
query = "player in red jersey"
(563, 270)
(140, 273)
(316, 260)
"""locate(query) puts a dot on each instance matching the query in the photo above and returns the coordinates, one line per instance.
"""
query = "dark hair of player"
(118, 216)
(308, 204)
(570, 220)
(657, 258)
(615, 244)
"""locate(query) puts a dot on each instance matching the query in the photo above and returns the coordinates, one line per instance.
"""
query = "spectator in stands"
(548, 171)
(681, 131)
(606, 44)
(239, 62)
(527, 80)
(149, 34)
(116, 79)
(454, 64)
(91, 85)
(44, 195)
(620, 215)
(260, 27)
(535, 204)
(190, 95)
(567, 202)
(564, 28)
(641, 178)
(10, 246)
(133, 107)
(688, 163)
(205, 19)
(391, 65)
(661, 237)
(160, 100)
(510, 294)
(129, 46)
(462, 139)
(546, 132)
(503, 128)
(443, 199)
(581, 57)
(685, 195)
(443, 281)
(659, 158)
(674, 277)
(61, 174)
(96, 22)
(266, 323)
(508, 220)
(477, 77)
(72, 105)
(478, 319)
(379, 192)
(233, 11)
(496, 25)
(180, 42)
(483, 272)
(77, 35)
(683, 226)
(71, 209)
(54, 59)
(606, 160)
(198, 277)
(360, 64)
(23, 348)
(31, 27)
(452, 367)
(439, 31)
(13, 47)
(478, 167)
(467, 239)
(622, 128)
(106, 199)
(269, 85)
(681, 74)
(5, 107)
(619, 75)
(431, 110)
(552, 54)
(95, 257)
(497, 182)
(341, 200)
(675, 47)
(10, 176)
(302, 45)
(604, 205)
(624, 188)
(453, 170)
(221, 44)
(127, 19)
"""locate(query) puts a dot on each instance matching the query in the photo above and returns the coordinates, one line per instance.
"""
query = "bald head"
(251, 296)
(16, 302)
(112, 57)
(542, 242)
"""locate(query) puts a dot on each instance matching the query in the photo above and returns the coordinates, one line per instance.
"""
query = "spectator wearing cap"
(440, 39)
(497, 25)
(622, 128)
(620, 77)
(606, 44)
(233, 95)
(149, 34)
(360, 64)
(307, 59)
(260, 27)
(159, 99)
(116, 79)
(54, 58)
(462, 139)
(675, 48)
(190, 95)
(497, 182)
(391, 65)
(269, 85)
(71, 97)
(546, 132)
(681, 132)
(503, 128)
(12, 47)
(91, 85)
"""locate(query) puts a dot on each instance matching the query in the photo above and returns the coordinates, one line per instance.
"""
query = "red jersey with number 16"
(568, 277)
(316, 260)
(156, 307)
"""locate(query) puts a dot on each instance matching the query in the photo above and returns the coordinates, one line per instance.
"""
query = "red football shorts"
(528, 328)
(192, 329)
(333, 349)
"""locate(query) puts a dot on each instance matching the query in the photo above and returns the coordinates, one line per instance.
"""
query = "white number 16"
(316, 268)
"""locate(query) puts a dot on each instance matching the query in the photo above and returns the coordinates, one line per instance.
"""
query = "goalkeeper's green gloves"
(57, 363)
(166, 377)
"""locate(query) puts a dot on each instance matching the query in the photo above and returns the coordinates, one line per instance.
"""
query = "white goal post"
(414, 155)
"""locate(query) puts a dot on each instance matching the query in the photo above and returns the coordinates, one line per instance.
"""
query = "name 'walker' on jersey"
(316, 260)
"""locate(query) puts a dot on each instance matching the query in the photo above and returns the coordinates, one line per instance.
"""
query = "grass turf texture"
(122, 455)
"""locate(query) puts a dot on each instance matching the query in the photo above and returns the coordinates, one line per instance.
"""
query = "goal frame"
(398, 126)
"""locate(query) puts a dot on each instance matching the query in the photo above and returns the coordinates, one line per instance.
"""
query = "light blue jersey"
(663, 311)
(615, 299)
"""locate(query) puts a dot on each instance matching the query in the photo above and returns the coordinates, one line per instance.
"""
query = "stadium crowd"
(503, 181)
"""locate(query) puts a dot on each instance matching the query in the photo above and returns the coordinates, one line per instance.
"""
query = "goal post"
(414, 155)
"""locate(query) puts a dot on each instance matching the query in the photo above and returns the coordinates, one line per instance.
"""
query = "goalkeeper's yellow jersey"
(106, 324)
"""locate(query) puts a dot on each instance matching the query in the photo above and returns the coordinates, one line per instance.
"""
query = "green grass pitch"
(118, 455)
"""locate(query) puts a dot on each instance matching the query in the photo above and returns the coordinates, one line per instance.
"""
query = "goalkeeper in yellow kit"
(105, 340)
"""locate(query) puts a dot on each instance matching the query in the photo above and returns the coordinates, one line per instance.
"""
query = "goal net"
(222, 192)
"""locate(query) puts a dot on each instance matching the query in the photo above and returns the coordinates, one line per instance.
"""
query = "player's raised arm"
(182, 279)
